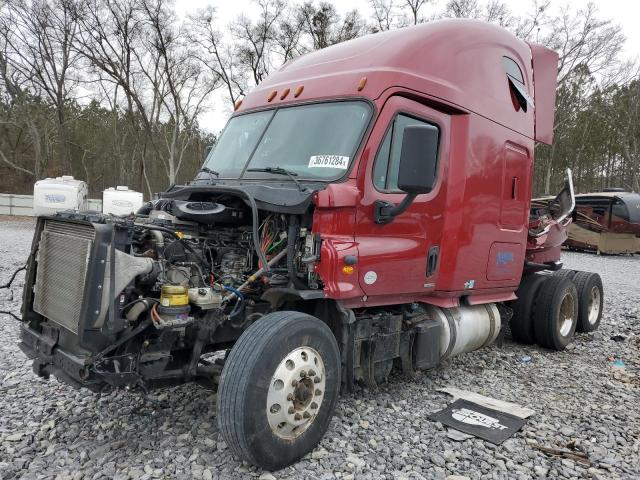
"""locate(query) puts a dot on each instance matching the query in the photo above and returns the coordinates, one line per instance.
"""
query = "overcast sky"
(626, 13)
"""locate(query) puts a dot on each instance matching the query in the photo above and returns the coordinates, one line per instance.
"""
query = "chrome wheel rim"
(594, 305)
(566, 317)
(296, 393)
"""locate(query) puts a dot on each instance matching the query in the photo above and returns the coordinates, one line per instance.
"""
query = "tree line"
(112, 91)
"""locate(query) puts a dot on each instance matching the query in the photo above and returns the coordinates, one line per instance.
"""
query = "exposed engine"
(188, 275)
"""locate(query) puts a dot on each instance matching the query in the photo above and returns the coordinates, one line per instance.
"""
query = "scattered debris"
(525, 359)
(489, 424)
(617, 364)
(574, 455)
(488, 402)
(457, 435)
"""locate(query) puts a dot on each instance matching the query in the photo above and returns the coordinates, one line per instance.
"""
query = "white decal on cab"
(329, 161)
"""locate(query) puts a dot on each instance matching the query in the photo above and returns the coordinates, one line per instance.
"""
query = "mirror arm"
(385, 212)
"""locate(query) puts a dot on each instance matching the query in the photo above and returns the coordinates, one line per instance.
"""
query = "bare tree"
(384, 14)
(414, 7)
(178, 80)
(581, 38)
(110, 32)
(496, 11)
(39, 37)
(462, 9)
(213, 54)
(324, 27)
(17, 114)
(255, 41)
(530, 26)
(288, 35)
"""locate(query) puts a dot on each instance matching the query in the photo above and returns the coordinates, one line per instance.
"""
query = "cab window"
(385, 169)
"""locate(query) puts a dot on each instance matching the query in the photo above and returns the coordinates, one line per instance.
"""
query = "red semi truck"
(366, 207)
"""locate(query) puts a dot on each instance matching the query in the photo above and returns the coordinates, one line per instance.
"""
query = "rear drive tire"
(564, 272)
(278, 389)
(555, 313)
(522, 320)
(590, 300)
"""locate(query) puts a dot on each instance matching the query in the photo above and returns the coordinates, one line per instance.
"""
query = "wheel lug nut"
(318, 392)
(303, 374)
(311, 373)
(314, 405)
(291, 410)
(298, 417)
(306, 415)
(290, 397)
(317, 380)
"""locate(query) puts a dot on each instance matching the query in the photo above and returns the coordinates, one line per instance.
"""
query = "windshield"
(315, 142)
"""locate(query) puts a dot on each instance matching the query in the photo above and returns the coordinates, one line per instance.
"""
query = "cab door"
(400, 257)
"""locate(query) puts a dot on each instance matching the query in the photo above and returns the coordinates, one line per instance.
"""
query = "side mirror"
(416, 171)
(418, 159)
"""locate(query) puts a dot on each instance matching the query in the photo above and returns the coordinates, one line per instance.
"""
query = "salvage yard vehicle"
(366, 208)
(606, 222)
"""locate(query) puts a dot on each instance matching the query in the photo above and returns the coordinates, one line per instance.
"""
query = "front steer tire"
(278, 351)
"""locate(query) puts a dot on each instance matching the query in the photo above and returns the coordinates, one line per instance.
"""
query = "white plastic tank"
(53, 195)
(121, 201)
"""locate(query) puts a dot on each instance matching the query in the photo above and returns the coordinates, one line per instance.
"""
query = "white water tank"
(53, 195)
(121, 201)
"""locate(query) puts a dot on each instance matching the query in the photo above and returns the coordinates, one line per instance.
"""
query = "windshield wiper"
(210, 172)
(280, 171)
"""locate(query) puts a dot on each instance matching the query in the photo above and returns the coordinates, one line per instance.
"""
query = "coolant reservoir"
(205, 298)
(53, 195)
(174, 296)
(121, 201)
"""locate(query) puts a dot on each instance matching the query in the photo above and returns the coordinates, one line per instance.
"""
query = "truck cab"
(366, 208)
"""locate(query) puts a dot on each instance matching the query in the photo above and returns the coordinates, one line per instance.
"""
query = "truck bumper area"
(49, 359)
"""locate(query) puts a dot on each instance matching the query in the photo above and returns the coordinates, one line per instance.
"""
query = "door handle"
(432, 260)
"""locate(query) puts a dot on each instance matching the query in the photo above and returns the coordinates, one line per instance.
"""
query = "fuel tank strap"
(453, 332)
(492, 325)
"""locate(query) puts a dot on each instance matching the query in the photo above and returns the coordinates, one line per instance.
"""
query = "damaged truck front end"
(186, 281)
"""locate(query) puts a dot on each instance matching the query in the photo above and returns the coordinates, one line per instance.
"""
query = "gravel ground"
(49, 430)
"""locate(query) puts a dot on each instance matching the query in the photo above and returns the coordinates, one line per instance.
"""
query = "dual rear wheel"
(551, 308)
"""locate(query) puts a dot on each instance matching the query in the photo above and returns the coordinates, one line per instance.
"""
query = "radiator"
(63, 259)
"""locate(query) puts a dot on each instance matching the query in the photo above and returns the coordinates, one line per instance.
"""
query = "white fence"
(23, 204)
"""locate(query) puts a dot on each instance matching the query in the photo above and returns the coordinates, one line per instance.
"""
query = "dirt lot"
(49, 430)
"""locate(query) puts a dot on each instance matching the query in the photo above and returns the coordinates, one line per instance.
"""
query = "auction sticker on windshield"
(329, 161)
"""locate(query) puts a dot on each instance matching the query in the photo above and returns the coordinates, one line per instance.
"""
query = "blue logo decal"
(503, 258)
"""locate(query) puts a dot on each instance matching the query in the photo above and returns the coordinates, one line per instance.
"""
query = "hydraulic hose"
(13, 277)
(292, 235)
